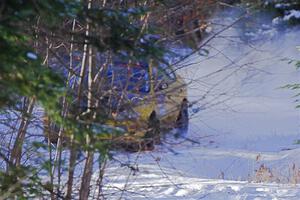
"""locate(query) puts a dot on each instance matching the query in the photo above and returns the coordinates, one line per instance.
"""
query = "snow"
(289, 14)
(276, 20)
(282, 5)
(241, 143)
(292, 14)
(31, 55)
(161, 181)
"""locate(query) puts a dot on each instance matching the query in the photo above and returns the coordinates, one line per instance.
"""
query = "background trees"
(49, 52)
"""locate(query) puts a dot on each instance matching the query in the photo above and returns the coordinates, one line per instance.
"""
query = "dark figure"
(182, 121)
(183, 117)
(152, 136)
(196, 26)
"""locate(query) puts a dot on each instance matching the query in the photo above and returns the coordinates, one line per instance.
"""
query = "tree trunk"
(16, 152)
(87, 176)
(72, 162)
(73, 152)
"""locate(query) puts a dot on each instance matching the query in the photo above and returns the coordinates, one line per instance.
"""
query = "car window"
(163, 75)
(170, 73)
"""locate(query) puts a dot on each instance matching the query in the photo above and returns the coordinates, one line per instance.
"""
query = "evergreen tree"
(39, 44)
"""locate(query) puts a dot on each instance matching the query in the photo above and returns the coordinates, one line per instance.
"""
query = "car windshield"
(119, 75)
(133, 78)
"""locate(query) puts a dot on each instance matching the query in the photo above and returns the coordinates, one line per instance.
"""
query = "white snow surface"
(292, 14)
(202, 172)
(154, 182)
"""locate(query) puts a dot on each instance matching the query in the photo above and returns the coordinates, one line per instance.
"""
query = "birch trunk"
(73, 153)
(88, 168)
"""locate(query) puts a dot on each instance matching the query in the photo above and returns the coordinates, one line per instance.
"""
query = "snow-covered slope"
(151, 183)
(204, 173)
(241, 144)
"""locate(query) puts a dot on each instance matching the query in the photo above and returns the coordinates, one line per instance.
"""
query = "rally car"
(146, 100)
(140, 100)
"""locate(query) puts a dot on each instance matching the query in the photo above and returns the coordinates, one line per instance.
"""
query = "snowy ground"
(205, 172)
(169, 186)
(241, 144)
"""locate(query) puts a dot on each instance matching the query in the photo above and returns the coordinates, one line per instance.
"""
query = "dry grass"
(288, 175)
